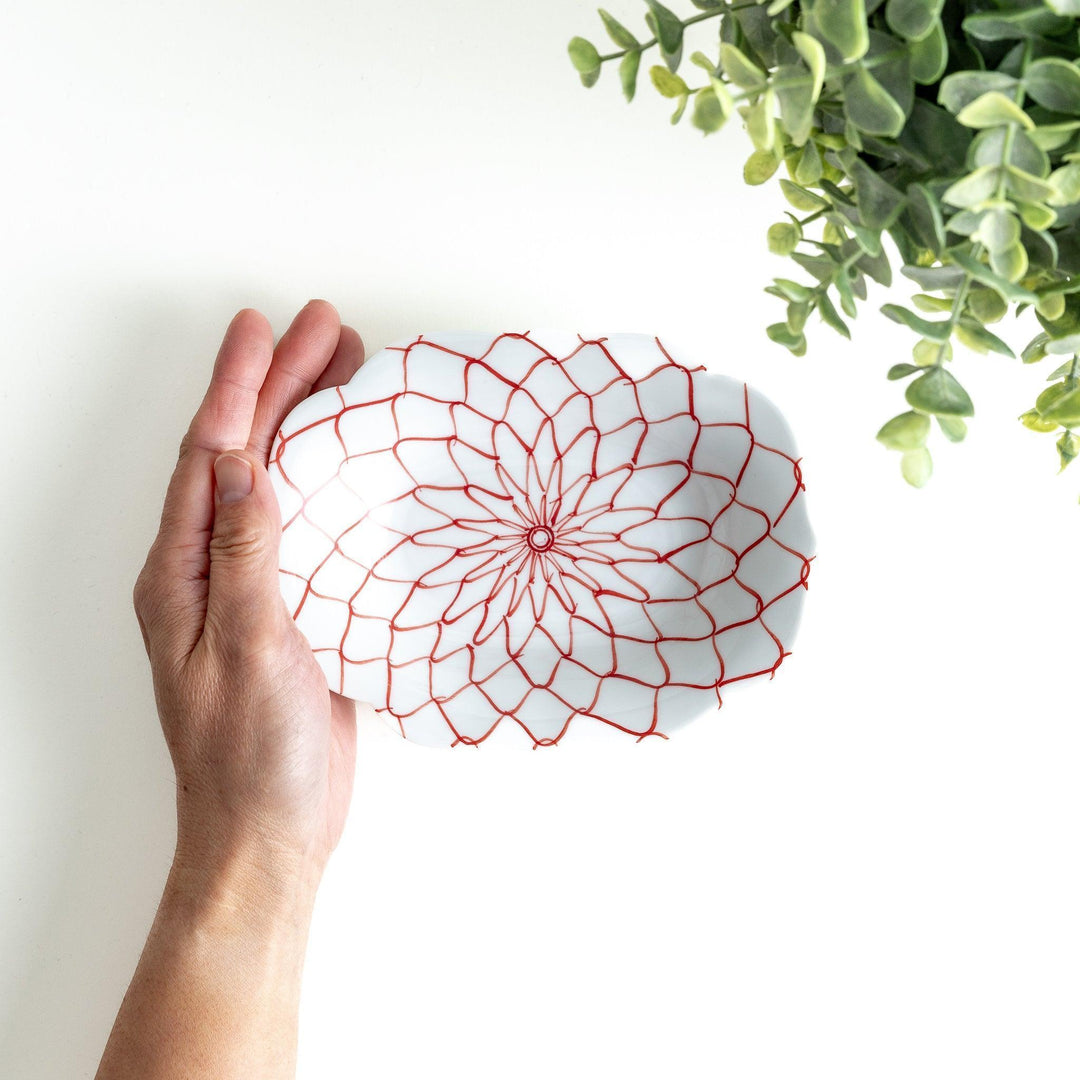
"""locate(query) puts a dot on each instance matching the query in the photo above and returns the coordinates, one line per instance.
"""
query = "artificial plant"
(952, 127)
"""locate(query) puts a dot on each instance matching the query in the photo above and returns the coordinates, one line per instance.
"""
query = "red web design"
(552, 576)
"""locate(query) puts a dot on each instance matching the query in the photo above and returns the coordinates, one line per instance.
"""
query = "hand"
(263, 751)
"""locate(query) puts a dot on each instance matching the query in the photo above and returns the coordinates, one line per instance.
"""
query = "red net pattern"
(485, 538)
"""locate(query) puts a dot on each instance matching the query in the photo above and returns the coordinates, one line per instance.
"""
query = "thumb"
(244, 604)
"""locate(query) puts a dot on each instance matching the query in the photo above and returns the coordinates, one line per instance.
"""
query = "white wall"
(865, 868)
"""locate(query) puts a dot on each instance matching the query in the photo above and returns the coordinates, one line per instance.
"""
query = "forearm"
(216, 992)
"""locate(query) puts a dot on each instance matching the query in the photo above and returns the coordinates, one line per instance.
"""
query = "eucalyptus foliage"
(951, 126)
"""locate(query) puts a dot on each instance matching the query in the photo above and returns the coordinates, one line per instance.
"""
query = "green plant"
(950, 126)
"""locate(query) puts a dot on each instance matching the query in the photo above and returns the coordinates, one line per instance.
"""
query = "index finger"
(223, 422)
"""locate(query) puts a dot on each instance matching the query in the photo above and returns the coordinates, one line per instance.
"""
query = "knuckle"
(238, 545)
(142, 592)
(187, 444)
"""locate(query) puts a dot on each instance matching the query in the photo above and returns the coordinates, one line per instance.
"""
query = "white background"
(865, 868)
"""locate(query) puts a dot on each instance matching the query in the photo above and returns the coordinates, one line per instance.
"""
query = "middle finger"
(300, 357)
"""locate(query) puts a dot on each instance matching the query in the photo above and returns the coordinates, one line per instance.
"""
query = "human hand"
(263, 751)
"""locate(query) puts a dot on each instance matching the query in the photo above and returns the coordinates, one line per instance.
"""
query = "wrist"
(254, 889)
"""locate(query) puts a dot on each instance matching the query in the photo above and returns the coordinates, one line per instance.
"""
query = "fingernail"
(234, 478)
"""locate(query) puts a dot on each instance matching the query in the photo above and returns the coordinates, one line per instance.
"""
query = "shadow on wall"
(95, 793)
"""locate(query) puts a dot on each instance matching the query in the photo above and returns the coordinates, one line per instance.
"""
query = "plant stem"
(831, 73)
(813, 217)
(713, 13)
(1010, 131)
(959, 299)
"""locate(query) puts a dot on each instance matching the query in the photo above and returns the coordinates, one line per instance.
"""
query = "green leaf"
(669, 27)
(617, 32)
(902, 371)
(1051, 306)
(1010, 263)
(709, 112)
(1068, 324)
(667, 82)
(998, 230)
(792, 290)
(831, 317)
(1064, 7)
(977, 337)
(742, 71)
(843, 24)
(676, 116)
(784, 237)
(1034, 422)
(935, 278)
(912, 19)
(870, 107)
(1036, 216)
(583, 56)
(879, 202)
(975, 188)
(796, 317)
(1054, 136)
(761, 121)
(808, 169)
(905, 432)
(960, 89)
(1066, 184)
(924, 214)
(796, 103)
(1034, 22)
(782, 334)
(929, 353)
(870, 241)
(965, 222)
(801, 199)
(760, 166)
(916, 466)
(1026, 187)
(987, 305)
(1008, 146)
(938, 392)
(813, 54)
(628, 73)
(822, 267)
(590, 78)
(930, 56)
(953, 428)
(1060, 403)
(932, 304)
(1054, 83)
(1063, 346)
(981, 272)
(1065, 285)
(1068, 447)
(992, 109)
(846, 293)
(935, 331)
(1035, 350)
(1063, 370)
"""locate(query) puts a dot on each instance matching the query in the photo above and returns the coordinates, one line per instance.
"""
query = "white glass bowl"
(532, 538)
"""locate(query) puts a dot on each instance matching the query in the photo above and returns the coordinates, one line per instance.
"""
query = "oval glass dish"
(536, 537)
